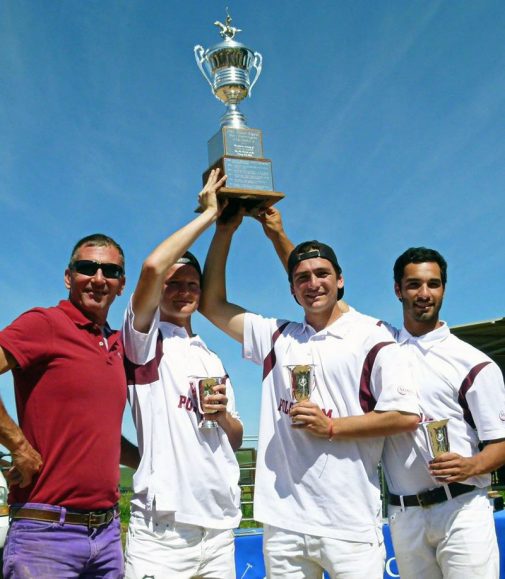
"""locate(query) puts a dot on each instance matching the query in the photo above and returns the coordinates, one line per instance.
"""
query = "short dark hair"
(309, 250)
(189, 259)
(96, 240)
(419, 255)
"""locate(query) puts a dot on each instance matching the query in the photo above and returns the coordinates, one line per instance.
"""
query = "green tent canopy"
(489, 337)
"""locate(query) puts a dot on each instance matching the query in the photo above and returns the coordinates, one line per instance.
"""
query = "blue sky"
(384, 121)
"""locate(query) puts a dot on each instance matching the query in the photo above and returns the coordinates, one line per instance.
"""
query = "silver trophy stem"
(233, 117)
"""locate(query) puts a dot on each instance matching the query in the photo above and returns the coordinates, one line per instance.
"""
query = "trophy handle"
(200, 59)
(257, 64)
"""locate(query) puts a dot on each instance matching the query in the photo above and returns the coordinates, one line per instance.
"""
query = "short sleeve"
(486, 401)
(140, 348)
(393, 382)
(231, 406)
(258, 332)
(29, 338)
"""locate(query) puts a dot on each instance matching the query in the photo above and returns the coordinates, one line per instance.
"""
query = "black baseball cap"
(189, 259)
(309, 250)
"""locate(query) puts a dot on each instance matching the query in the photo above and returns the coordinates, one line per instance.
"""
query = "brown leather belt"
(90, 519)
(430, 497)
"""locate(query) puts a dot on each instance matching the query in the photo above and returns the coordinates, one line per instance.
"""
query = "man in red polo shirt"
(70, 388)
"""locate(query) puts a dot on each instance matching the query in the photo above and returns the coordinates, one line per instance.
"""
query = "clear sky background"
(384, 121)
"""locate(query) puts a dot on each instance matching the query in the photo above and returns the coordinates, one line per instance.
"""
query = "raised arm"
(271, 221)
(214, 304)
(155, 268)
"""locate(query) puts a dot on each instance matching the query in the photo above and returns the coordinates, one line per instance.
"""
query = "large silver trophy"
(236, 149)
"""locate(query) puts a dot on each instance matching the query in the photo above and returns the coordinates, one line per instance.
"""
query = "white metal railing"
(247, 482)
(247, 479)
(247, 485)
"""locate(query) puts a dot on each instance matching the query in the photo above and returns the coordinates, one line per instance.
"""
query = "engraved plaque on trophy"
(236, 149)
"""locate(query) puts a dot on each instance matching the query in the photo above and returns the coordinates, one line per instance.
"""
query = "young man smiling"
(317, 497)
(186, 496)
(441, 520)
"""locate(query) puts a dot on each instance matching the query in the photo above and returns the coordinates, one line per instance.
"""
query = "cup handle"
(257, 65)
(199, 51)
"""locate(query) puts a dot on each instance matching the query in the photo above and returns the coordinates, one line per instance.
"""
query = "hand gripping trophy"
(236, 149)
(203, 387)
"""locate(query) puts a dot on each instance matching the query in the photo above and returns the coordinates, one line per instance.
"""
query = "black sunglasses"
(89, 267)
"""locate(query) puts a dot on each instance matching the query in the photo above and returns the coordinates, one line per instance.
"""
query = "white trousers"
(300, 556)
(455, 539)
(158, 547)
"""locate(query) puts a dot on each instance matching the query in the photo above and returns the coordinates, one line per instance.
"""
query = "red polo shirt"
(70, 396)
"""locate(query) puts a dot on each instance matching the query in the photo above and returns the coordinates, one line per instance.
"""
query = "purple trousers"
(47, 550)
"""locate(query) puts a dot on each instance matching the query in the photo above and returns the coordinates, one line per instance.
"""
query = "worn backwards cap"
(309, 250)
(189, 259)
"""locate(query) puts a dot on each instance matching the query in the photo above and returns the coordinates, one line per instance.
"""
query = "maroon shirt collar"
(79, 318)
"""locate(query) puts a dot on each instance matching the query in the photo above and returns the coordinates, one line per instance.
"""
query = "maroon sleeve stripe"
(145, 373)
(366, 399)
(463, 389)
(271, 359)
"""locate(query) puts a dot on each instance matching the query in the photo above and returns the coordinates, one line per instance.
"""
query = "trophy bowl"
(227, 68)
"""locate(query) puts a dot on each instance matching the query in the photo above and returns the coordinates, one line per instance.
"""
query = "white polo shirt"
(363, 317)
(308, 484)
(185, 470)
(458, 382)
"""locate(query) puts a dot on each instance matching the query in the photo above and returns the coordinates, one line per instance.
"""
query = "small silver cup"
(301, 379)
(204, 386)
(437, 436)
